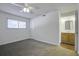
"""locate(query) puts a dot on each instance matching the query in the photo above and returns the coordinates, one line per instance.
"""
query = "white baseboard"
(48, 42)
(6, 42)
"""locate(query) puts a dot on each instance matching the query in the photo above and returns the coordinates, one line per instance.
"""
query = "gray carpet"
(32, 47)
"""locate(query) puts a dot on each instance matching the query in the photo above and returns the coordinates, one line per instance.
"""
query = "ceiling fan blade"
(17, 5)
(26, 5)
(31, 8)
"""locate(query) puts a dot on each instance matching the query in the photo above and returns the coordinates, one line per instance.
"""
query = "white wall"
(46, 28)
(11, 35)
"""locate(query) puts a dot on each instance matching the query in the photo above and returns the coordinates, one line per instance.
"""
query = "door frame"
(76, 30)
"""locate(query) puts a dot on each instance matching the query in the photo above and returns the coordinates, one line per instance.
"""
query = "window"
(12, 24)
(16, 24)
(22, 24)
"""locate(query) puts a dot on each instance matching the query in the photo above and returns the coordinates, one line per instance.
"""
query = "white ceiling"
(40, 8)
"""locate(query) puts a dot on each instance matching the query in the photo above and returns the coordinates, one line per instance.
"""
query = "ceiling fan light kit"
(26, 10)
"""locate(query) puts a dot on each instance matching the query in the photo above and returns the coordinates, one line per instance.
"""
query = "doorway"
(67, 30)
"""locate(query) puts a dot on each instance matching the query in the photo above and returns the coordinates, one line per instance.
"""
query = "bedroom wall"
(46, 28)
(8, 35)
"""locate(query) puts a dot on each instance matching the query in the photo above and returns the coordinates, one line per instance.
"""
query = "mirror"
(68, 25)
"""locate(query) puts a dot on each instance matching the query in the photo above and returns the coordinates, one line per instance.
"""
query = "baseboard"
(48, 42)
(4, 43)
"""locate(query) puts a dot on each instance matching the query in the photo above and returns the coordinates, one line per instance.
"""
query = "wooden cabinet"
(68, 38)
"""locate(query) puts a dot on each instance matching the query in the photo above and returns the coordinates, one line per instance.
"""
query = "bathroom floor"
(70, 47)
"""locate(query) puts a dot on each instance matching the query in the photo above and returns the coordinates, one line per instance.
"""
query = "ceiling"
(40, 8)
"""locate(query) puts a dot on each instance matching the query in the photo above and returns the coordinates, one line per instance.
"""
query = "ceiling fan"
(26, 8)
